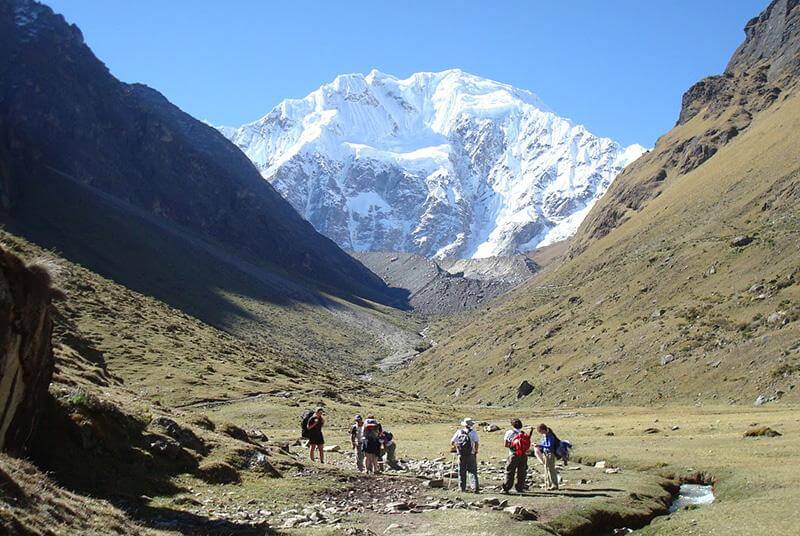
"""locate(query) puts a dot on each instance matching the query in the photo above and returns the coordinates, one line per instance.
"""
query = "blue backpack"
(463, 443)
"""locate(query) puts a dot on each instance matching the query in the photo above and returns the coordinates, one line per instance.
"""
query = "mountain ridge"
(444, 164)
(129, 142)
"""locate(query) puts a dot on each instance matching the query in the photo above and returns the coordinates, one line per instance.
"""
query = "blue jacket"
(549, 442)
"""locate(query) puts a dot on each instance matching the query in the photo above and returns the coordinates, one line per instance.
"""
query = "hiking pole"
(450, 473)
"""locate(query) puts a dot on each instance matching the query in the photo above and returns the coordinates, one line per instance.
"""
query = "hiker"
(315, 438)
(356, 437)
(517, 442)
(546, 453)
(390, 448)
(465, 443)
(371, 444)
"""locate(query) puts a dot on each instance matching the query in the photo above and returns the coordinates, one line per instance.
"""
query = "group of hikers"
(373, 446)
(465, 444)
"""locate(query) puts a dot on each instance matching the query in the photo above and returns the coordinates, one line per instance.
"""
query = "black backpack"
(304, 423)
(463, 443)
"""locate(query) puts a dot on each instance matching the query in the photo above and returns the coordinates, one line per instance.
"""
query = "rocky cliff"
(762, 71)
(26, 355)
(65, 119)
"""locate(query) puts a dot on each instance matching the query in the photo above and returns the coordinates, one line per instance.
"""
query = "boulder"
(26, 354)
(491, 428)
(741, 241)
(520, 513)
(186, 437)
(667, 359)
(524, 389)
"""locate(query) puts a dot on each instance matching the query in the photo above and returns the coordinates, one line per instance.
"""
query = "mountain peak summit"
(445, 164)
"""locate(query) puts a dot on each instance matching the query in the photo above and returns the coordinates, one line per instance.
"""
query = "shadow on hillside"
(92, 447)
(155, 258)
(193, 524)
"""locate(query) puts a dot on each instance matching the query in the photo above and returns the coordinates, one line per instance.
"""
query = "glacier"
(442, 164)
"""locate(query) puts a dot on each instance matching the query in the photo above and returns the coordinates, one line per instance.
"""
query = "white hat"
(467, 422)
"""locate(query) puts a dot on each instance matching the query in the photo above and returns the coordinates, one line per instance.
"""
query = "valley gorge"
(428, 251)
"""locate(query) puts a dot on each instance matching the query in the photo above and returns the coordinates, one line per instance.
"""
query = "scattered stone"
(675, 428)
(761, 400)
(524, 389)
(435, 483)
(658, 313)
(667, 359)
(520, 513)
(392, 527)
(491, 501)
(601, 464)
(257, 435)
(741, 241)
(652, 431)
(762, 431)
(332, 448)
(777, 318)
(184, 436)
(612, 470)
(398, 506)
(491, 428)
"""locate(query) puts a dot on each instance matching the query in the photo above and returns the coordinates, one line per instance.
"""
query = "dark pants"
(391, 457)
(516, 466)
(467, 463)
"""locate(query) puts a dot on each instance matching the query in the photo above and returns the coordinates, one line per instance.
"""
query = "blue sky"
(617, 66)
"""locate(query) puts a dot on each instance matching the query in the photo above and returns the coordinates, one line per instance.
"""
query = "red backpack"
(521, 444)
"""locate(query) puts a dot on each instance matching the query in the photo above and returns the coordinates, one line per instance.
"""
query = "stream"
(692, 494)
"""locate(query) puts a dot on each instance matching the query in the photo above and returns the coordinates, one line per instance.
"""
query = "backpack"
(521, 443)
(371, 445)
(463, 443)
(372, 428)
(556, 443)
(304, 422)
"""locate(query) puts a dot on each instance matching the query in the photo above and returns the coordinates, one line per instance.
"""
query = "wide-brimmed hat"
(467, 422)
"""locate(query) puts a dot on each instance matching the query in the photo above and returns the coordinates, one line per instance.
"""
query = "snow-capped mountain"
(442, 164)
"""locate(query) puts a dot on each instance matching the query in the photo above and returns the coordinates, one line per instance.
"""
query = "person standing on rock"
(356, 440)
(517, 442)
(546, 452)
(465, 442)
(315, 438)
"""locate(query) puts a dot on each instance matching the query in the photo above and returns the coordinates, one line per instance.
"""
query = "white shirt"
(510, 435)
(473, 435)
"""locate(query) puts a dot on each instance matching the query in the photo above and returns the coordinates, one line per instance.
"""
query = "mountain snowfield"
(447, 164)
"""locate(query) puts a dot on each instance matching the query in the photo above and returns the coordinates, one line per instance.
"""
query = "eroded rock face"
(26, 355)
(764, 69)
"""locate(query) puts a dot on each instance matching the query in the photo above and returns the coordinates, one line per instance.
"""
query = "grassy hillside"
(664, 308)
